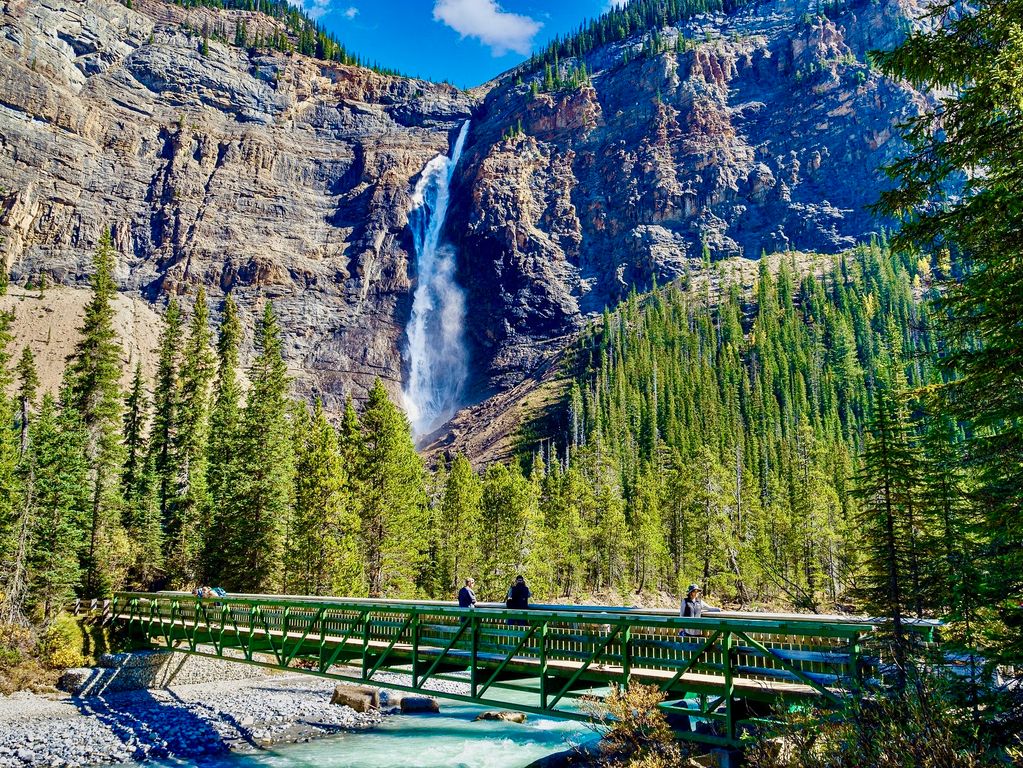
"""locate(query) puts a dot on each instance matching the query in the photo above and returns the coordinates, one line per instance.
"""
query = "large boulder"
(361, 698)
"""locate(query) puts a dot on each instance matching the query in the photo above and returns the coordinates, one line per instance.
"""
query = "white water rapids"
(436, 351)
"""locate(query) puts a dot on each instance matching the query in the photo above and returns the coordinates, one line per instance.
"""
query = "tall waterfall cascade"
(436, 351)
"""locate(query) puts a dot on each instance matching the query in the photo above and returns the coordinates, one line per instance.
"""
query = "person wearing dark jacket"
(466, 597)
(518, 597)
(693, 607)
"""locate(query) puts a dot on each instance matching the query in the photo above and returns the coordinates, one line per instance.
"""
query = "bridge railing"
(570, 652)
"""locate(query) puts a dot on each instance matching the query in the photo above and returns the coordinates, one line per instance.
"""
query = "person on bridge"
(518, 597)
(466, 597)
(693, 607)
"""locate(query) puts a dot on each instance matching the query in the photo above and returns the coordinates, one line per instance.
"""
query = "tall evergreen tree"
(9, 507)
(459, 545)
(887, 488)
(325, 556)
(193, 498)
(394, 500)
(163, 440)
(16, 562)
(93, 392)
(261, 488)
(959, 188)
(136, 418)
(223, 444)
(28, 390)
(142, 517)
(63, 506)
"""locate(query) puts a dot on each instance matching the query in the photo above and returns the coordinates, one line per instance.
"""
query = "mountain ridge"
(280, 177)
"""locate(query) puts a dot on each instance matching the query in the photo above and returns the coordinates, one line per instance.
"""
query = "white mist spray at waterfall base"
(436, 351)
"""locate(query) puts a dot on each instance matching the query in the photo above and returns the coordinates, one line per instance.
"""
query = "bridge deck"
(564, 654)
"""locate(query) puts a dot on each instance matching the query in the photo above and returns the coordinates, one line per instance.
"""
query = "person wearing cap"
(693, 607)
(518, 597)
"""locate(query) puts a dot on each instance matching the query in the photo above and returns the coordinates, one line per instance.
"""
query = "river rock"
(361, 698)
(419, 704)
(505, 716)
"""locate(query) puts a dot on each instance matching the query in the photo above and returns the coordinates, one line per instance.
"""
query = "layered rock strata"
(276, 177)
(281, 178)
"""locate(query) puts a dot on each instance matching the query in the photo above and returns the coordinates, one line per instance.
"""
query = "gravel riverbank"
(185, 722)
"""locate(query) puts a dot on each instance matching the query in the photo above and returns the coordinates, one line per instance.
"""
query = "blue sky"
(464, 41)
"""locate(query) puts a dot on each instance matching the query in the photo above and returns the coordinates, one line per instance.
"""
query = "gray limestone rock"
(286, 179)
(276, 177)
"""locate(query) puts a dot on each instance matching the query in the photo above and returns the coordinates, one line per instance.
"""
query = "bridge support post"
(253, 613)
(415, 650)
(726, 649)
(626, 656)
(365, 644)
(855, 677)
(473, 674)
(322, 660)
(543, 664)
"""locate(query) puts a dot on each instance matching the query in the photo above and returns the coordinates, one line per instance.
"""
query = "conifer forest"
(833, 428)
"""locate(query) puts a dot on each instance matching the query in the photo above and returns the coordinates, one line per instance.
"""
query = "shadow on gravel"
(156, 729)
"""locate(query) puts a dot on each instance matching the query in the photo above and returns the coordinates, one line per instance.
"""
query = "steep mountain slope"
(759, 131)
(273, 176)
(278, 176)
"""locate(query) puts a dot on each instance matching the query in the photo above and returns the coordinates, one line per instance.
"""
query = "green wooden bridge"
(720, 670)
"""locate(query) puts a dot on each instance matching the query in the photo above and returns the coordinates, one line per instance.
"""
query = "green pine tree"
(63, 507)
(93, 392)
(223, 444)
(259, 504)
(887, 489)
(459, 545)
(163, 440)
(957, 190)
(325, 557)
(17, 551)
(198, 368)
(136, 418)
(28, 390)
(394, 509)
(142, 518)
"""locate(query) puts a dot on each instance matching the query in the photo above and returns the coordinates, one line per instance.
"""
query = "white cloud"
(315, 8)
(350, 12)
(615, 4)
(492, 26)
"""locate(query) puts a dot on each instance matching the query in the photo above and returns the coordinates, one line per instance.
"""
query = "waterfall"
(436, 351)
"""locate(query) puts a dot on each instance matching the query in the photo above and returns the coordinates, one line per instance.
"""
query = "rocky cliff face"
(278, 177)
(275, 177)
(765, 134)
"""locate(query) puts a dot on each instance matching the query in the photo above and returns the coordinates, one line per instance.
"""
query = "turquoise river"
(449, 740)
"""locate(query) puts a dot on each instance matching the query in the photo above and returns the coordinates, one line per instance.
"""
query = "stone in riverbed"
(361, 698)
(418, 704)
(508, 717)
